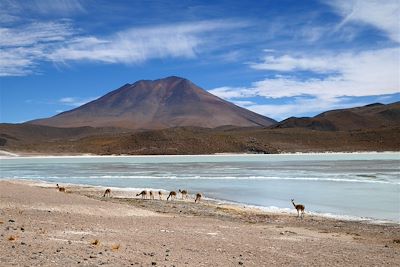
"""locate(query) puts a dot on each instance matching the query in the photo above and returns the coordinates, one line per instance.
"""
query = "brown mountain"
(158, 104)
(367, 117)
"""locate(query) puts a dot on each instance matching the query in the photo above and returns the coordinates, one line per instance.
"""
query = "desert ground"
(40, 226)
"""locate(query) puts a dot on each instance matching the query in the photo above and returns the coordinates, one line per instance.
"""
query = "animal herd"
(184, 195)
(172, 195)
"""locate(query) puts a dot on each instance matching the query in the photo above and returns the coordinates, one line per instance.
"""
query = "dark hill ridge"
(158, 104)
(367, 117)
(374, 127)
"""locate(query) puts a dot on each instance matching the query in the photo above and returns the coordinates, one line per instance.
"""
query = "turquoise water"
(363, 185)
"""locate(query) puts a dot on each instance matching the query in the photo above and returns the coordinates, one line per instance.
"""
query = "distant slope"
(21, 134)
(367, 117)
(35, 139)
(158, 104)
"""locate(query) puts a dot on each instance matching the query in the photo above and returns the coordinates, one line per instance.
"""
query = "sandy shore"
(43, 227)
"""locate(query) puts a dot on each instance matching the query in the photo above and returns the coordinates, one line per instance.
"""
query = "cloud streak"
(333, 76)
(383, 15)
(371, 72)
(26, 46)
(75, 101)
(140, 44)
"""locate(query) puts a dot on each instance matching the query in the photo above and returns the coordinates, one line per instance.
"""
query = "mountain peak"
(165, 79)
(156, 104)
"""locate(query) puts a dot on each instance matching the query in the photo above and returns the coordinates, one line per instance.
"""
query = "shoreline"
(10, 155)
(41, 226)
(272, 210)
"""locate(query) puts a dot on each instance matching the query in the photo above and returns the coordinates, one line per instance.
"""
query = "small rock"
(92, 257)
(153, 263)
(11, 221)
(13, 246)
(167, 250)
(240, 263)
(22, 229)
(23, 243)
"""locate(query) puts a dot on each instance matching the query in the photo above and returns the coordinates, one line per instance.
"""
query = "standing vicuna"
(107, 192)
(184, 193)
(143, 194)
(160, 194)
(171, 195)
(60, 189)
(299, 208)
(198, 197)
(151, 194)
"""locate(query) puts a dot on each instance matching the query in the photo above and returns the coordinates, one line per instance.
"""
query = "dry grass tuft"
(115, 247)
(95, 242)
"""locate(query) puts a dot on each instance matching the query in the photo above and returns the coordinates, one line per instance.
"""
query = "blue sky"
(279, 58)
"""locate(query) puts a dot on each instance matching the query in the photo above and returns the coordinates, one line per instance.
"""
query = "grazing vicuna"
(60, 189)
(171, 195)
(107, 192)
(184, 193)
(299, 208)
(160, 195)
(151, 194)
(143, 194)
(198, 197)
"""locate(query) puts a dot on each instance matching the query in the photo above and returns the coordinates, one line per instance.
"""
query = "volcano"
(157, 104)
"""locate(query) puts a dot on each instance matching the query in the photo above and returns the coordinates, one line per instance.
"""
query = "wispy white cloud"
(35, 33)
(140, 44)
(244, 103)
(75, 101)
(56, 6)
(15, 8)
(383, 15)
(25, 46)
(227, 92)
(302, 106)
(371, 72)
(333, 77)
